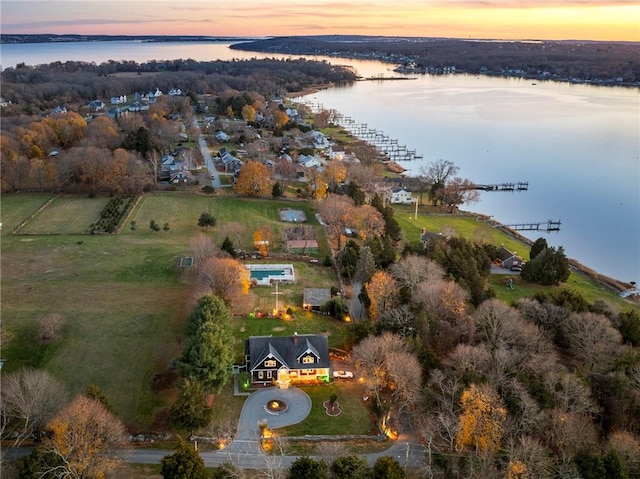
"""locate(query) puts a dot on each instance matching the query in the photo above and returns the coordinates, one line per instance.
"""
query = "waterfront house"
(400, 196)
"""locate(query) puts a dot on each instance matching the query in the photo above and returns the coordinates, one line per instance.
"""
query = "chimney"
(295, 338)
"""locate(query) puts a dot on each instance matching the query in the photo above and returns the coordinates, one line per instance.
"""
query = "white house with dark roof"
(400, 196)
(286, 360)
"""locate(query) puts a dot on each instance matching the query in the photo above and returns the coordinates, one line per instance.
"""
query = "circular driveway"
(253, 411)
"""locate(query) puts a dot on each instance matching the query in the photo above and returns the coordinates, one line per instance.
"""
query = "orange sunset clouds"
(499, 19)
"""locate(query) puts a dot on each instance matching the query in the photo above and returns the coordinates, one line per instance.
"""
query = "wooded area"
(562, 60)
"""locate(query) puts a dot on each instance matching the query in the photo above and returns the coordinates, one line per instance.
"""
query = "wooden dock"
(547, 226)
(386, 145)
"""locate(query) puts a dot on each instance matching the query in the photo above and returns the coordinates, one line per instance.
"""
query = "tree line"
(586, 60)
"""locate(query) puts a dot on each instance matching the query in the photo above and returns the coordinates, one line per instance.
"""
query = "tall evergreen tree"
(208, 355)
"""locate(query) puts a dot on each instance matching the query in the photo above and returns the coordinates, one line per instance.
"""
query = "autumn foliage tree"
(482, 419)
(254, 179)
(262, 239)
(83, 435)
(223, 277)
(383, 293)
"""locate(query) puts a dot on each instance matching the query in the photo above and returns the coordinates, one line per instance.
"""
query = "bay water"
(578, 146)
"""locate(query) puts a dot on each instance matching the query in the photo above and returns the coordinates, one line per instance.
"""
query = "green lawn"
(123, 298)
(577, 282)
(355, 417)
(18, 208)
(67, 214)
(466, 226)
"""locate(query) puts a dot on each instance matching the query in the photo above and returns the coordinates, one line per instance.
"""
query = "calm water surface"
(578, 146)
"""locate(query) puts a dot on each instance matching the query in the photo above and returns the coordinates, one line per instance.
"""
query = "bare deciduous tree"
(29, 398)
(400, 320)
(203, 248)
(83, 434)
(49, 327)
(413, 270)
(236, 232)
(533, 456)
(591, 339)
(569, 432)
(628, 447)
(389, 371)
(337, 212)
(571, 394)
(448, 322)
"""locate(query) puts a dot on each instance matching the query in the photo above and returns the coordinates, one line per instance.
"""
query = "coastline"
(613, 284)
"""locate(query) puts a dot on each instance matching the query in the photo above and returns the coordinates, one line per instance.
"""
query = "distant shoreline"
(14, 39)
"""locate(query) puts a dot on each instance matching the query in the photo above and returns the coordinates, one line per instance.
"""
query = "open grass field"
(125, 301)
(66, 214)
(466, 226)
(122, 296)
(16, 209)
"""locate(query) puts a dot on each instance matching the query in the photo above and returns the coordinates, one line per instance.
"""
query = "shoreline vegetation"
(613, 284)
(606, 63)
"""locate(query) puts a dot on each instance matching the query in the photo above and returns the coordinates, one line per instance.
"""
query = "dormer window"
(270, 363)
(308, 360)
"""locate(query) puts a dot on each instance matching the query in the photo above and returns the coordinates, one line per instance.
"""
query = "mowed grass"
(15, 209)
(355, 417)
(66, 214)
(466, 226)
(122, 296)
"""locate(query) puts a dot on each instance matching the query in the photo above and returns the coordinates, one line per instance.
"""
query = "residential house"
(58, 110)
(319, 139)
(182, 177)
(118, 100)
(221, 136)
(426, 237)
(139, 105)
(309, 161)
(400, 196)
(230, 162)
(314, 298)
(286, 360)
(508, 259)
(175, 92)
(96, 105)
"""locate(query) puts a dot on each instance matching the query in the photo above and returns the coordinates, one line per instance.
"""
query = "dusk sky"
(497, 19)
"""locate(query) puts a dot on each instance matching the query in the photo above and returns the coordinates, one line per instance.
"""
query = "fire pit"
(276, 406)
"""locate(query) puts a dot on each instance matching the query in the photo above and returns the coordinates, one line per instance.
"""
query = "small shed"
(314, 298)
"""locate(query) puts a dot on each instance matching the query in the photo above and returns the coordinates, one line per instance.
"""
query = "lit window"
(308, 360)
(270, 363)
(260, 375)
(269, 376)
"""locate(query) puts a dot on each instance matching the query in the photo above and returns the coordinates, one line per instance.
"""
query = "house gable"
(302, 357)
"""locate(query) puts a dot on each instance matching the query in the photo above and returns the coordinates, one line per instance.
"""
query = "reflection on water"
(577, 145)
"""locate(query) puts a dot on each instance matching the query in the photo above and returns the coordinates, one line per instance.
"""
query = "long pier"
(547, 226)
(518, 186)
(386, 145)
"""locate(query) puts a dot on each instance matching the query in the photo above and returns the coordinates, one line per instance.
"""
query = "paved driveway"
(253, 411)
